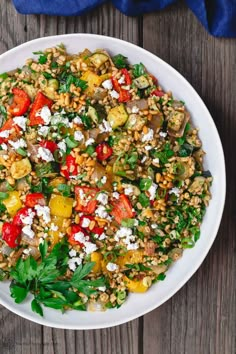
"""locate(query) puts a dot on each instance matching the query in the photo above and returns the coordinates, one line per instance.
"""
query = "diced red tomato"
(95, 229)
(39, 102)
(33, 199)
(74, 230)
(86, 199)
(122, 209)
(128, 80)
(50, 145)
(71, 167)
(104, 151)
(11, 234)
(22, 213)
(21, 102)
(124, 96)
(157, 93)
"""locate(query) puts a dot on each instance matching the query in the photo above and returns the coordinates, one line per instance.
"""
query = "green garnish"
(120, 61)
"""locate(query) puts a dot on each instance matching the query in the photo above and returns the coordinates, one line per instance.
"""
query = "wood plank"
(200, 318)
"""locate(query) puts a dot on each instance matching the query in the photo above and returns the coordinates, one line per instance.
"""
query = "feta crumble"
(107, 84)
(101, 212)
(43, 130)
(144, 159)
(116, 195)
(111, 267)
(156, 160)
(45, 114)
(135, 109)
(18, 144)
(4, 146)
(90, 141)
(74, 262)
(78, 136)
(85, 222)
(175, 191)
(148, 147)
(102, 198)
(53, 227)
(122, 80)
(28, 231)
(149, 136)
(21, 122)
(72, 253)
(62, 146)
(128, 190)
(103, 179)
(163, 134)
(5, 133)
(45, 154)
(29, 218)
(43, 211)
(77, 120)
(152, 190)
(105, 126)
(114, 94)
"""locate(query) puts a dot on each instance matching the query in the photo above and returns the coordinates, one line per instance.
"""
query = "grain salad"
(102, 184)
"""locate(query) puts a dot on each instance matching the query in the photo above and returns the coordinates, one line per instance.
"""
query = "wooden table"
(201, 317)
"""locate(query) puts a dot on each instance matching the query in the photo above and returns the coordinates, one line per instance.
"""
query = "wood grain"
(201, 317)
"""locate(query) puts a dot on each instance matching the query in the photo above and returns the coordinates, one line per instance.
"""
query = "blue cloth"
(217, 16)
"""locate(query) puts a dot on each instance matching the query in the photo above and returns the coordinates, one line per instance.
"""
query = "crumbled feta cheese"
(152, 190)
(144, 159)
(123, 232)
(112, 267)
(90, 141)
(21, 122)
(127, 87)
(116, 195)
(122, 80)
(128, 190)
(156, 160)
(175, 191)
(45, 154)
(72, 253)
(132, 246)
(126, 234)
(78, 135)
(53, 227)
(105, 126)
(43, 130)
(29, 218)
(103, 179)
(107, 84)
(26, 251)
(5, 133)
(148, 136)
(4, 146)
(154, 226)
(101, 212)
(77, 120)
(85, 222)
(163, 134)
(45, 114)
(101, 288)
(148, 147)
(18, 144)
(135, 109)
(102, 236)
(62, 146)
(79, 236)
(90, 247)
(43, 211)
(102, 198)
(58, 118)
(74, 262)
(28, 231)
(71, 125)
(114, 94)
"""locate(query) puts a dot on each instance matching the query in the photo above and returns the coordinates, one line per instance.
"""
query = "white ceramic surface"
(181, 271)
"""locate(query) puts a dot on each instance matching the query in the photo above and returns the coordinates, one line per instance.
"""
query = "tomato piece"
(50, 145)
(71, 167)
(157, 93)
(21, 102)
(95, 229)
(124, 96)
(128, 80)
(22, 213)
(86, 199)
(10, 125)
(104, 151)
(39, 102)
(73, 231)
(115, 84)
(33, 199)
(11, 234)
(122, 208)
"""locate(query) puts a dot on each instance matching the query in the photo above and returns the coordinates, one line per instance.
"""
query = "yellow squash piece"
(131, 257)
(97, 258)
(20, 169)
(12, 203)
(93, 81)
(117, 116)
(98, 59)
(61, 206)
(135, 286)
(55, 235)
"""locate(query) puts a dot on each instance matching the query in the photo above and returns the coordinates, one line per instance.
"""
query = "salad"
(102, 184)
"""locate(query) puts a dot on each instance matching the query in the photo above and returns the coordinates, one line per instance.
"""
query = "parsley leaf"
(120, 61)
(71, 79)
(36, 307)
(64, 189)
(138, 70)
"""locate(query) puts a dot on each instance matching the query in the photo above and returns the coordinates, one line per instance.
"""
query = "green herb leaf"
(161, 276)
(120, 61)
(42, 59)
(143, 200)
(3, 195)
(43, 248)
(138, 70)
(145, 184)
(3, 111)
(71, 79)
(64, 189)
(4, 76)
(36, 307)
(18, 292)
(90, 150)
(71, 142)
(128, 222)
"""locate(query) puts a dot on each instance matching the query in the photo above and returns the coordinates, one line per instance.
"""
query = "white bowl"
(181, 271)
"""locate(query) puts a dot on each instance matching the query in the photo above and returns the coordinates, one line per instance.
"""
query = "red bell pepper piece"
(124, 96)
(128, 80)
(74, 230)
(21, 102)
(157, 93)
(39, 102)
(122, 208)
(11, 234)
(115, 84)
(104, 151)
(71, 167)
(86, 199)
(10, 125)
(95, 229)
(22, 213)
(50, 145)
(33, 199)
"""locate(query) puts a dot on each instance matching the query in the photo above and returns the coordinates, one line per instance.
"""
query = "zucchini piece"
(47, 169)
(117, 116)
(98, 59)
(20, 169)
(141, 82)
(135, 122)
(92, 113)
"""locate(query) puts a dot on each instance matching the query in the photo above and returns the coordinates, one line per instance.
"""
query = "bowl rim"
(40, 320)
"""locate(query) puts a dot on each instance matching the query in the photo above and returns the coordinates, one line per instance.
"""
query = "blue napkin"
(217, 16)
